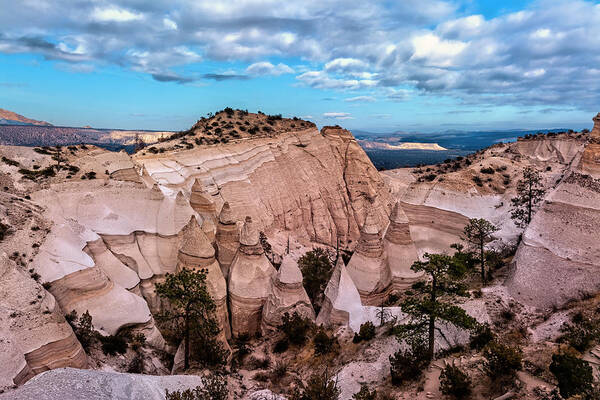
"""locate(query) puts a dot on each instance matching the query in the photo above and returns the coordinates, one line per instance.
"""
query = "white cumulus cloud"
(114, 14)
(266, 68)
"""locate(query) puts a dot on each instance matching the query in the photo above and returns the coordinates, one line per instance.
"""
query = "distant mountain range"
(458, 140)
(17, 130)
(12, 118)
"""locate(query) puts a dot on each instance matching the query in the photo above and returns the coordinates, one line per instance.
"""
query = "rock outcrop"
(198, 253)
(35, 336)
(342, 304)
(590, 160)
(201, 201)
(227, 238)
(368, 266)
(596, 129)
(558, 259)
(286, 295)
(249, 281)
(70, 383)
(318, 185)
(400, 249)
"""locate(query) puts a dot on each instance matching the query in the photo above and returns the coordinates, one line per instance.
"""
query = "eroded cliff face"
(559, 258)
(317, 184)
(110, 239)
(460, 190)
(34, 334)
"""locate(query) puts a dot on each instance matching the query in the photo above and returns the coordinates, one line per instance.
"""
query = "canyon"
(97, 237)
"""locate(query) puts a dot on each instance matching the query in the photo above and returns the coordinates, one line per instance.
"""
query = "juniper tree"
(529, 193)
(190, 316)
(316, 270)
(477, 233)
(431, 300)
(574, 375)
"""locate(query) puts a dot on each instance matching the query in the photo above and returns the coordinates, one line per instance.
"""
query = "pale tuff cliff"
(112, 238)
(34, 336)
(559, 258)
(319, 184)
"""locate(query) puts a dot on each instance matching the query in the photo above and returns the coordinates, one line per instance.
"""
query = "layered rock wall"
(35, 336)
(558, 259)
(316, 184)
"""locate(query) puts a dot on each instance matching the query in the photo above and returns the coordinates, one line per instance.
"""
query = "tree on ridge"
(478, 233)
(529, 193)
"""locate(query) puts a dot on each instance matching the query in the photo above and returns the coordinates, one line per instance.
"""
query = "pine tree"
(190, 315)
(316, 270)
(431, 300)
(477, 233)
(529, 193)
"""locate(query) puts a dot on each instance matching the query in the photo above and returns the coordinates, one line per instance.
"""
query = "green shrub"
(295, 328)
(323, 342)
(316, 272)
(366, 332)
(455, 383)
(8, 161)
(4, 230)
(365, 393)
(241, 342)
(214, 387)
(278, 371)
(581, 332)
(408, 365)
(82, 327)
(481, 337)
(573, 374)
(113, 344)
(259, 363)
(281, 345)
(488, 170)
(478, 180)
(138, 341)
(318, 387)
(136, 366)
(501, 360)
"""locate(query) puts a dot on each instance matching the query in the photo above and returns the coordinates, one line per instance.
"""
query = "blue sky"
(410, 65)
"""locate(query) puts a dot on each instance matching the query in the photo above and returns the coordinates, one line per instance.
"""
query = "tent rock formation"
(249, 280)
(287, 295)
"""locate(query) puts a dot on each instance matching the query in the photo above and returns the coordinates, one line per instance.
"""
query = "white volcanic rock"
(559, 259)
(77, 384)
(342, 304)
(197, 253)
(400, 248)
(317, 185)
(249, 281)
(457, 193)
(34, 335)
(210, 230)
(227, 238)
(201, 202)
(590, 160)
(368, 266)
(287, 295)
(141, 234)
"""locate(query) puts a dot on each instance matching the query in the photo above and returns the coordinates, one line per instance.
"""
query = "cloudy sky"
(412, 65)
